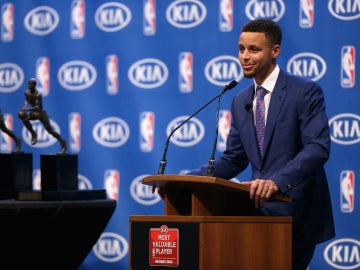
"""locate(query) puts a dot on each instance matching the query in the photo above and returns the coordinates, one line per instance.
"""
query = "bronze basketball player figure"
(9, 132)
(33, 110)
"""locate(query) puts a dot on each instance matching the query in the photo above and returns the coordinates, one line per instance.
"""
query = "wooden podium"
(209, 224)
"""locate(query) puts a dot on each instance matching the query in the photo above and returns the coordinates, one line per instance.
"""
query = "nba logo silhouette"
(6, 140)
(223, 129)
(43, 75)
(147, 126)
(112, 183)
(306, 16)
(77, 21)
(347, 66)
(347, 191)
(185, 72)
(226, 15)
(75, 132)
(149, 17)
(112, 74)
(7, 22)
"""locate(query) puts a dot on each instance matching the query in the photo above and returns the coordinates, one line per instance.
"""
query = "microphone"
(163, 162)
(248, 107)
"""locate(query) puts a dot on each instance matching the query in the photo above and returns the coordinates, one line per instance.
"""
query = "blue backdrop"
(118, 76)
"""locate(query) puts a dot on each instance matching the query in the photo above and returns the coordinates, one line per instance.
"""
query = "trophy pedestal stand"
(16, 171)
(59, 179)
(59, 172)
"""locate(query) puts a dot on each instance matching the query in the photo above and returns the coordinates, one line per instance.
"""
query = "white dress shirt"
(269, 85)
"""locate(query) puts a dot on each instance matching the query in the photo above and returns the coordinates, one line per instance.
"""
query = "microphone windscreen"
(231, 85)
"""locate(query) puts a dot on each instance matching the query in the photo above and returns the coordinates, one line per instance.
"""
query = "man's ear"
(276, 51)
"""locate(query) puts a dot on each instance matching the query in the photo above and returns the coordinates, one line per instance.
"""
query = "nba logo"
(306, 16)
(348, 66)
(6, 140)
(226, 15)
(75, 132)
(77, 21)
(224, 128)
(112, 183)
(7, 22)
(185, 72)
(147, 126)
(149, 18)
(347, 190)
(112, 74)
(43, 75)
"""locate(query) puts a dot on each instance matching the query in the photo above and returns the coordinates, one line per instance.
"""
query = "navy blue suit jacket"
(297, 145)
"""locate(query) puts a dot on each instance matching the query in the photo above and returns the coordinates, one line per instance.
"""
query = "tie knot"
(260, 91)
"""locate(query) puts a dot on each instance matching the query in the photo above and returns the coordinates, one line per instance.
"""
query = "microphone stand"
(210, 169)
(163, 162)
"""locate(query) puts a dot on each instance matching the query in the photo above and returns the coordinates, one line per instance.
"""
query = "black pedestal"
(59, 172)
(16, 171)
(56, 235)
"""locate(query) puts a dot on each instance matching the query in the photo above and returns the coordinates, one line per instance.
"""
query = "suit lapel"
(249, 129)
(277, 99)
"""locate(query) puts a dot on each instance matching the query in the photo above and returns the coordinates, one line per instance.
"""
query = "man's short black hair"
(271, 29)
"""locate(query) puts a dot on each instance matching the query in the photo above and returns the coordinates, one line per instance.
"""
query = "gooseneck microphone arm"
(210, 168)
(163, 162)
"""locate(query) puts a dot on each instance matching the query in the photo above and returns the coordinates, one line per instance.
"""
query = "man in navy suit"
(296, 142)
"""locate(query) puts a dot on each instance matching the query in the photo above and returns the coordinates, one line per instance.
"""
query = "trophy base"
(16, 171)
(59, 172)
(65, 195)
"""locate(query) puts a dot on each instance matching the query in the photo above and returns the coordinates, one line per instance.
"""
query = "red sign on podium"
(164, 246)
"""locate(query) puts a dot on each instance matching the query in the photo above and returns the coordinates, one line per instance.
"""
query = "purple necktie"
(260, 118)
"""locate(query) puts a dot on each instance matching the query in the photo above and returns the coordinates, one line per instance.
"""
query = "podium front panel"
(216, 242)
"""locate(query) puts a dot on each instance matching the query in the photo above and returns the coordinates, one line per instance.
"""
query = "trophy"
(33, 110)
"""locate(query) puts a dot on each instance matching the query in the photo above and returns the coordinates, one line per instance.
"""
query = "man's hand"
(261, 190)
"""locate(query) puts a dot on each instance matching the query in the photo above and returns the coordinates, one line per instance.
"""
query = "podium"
(209, 224)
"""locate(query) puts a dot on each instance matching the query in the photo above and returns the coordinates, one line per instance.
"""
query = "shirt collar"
(270, 81)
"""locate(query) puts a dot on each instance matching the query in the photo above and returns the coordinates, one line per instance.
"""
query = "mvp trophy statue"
(59, 172)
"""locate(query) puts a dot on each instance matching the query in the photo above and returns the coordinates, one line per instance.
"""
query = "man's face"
(257, 56)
